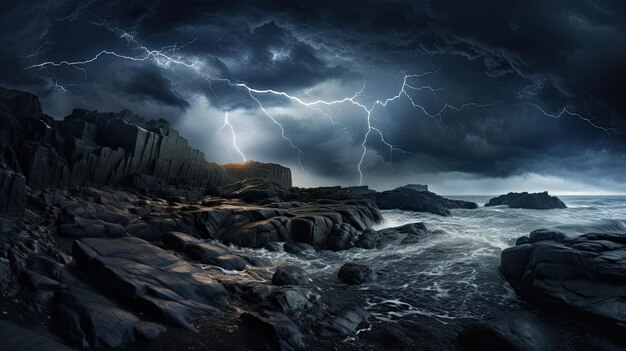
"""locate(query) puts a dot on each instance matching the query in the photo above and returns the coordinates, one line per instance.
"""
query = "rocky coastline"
(115, 234)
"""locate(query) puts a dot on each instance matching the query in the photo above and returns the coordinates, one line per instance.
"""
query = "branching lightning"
(234, 136)
(168, 56)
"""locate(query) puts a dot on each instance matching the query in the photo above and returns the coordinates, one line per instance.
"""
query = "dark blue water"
(454, 273)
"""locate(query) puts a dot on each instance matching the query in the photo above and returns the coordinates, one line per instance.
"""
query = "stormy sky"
(475, 97)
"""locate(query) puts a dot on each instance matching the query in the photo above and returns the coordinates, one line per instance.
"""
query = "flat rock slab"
(149, 279)
(515, 330)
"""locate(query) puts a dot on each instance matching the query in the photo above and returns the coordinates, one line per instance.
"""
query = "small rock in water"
(273, 247)
(343, 322)
(353, 273)
(288, 275)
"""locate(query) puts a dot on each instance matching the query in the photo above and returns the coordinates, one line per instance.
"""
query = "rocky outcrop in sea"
(536, 201)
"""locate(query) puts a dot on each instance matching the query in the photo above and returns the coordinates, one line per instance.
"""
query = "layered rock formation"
(407, 198)
(583, 274)
(537, 201)
(89, 148)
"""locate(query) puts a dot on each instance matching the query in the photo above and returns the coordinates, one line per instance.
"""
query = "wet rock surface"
(583, 274)
(537, 201)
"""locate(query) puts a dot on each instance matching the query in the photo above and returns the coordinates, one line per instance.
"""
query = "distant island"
(536, 201)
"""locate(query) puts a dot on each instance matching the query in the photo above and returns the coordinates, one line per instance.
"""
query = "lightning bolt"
(232, 132)
(168, 56)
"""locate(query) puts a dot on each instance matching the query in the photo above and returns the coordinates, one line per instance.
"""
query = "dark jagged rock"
(256, 170)
(404, 198)
(585, 273)
(343, 322)
(288, 275)
(16, 338)
(277, 331)
(537, 201)
(515, 331)
(353, 273)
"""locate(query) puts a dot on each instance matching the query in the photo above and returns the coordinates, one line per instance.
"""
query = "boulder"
(343, 322)
(353, 273)
(289, 275)
(536, 201)
(293, 299)
(586, 274)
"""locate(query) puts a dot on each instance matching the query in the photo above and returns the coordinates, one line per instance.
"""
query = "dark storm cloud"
(514, 56)
(143, 84)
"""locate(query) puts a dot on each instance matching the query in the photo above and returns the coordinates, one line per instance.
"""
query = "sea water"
(454, 273)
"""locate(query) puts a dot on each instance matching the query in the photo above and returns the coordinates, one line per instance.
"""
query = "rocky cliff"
(92, 148)
(89, 148)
